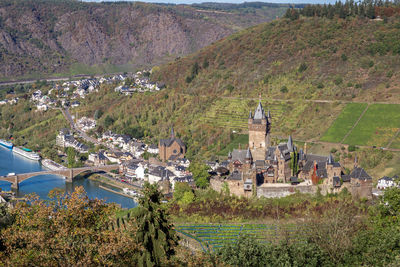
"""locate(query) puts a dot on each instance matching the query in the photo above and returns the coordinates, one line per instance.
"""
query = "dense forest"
(364, 9)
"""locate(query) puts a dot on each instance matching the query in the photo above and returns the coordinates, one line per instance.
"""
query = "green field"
(377, 127)
(344, 122)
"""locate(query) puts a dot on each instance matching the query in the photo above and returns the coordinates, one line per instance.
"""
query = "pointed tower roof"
(290, 143)
(330, 159)
(248, 154)
(259, 112)
(250, 115)
(172, 132)
(269, 114)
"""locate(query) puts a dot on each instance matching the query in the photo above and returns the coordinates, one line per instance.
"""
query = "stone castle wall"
(283, 191)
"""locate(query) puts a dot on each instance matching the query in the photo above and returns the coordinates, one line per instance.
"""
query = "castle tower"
(259, 132)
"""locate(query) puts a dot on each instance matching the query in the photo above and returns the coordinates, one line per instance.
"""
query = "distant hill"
(44, 37)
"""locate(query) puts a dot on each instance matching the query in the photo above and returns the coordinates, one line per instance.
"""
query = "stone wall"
(283, 191)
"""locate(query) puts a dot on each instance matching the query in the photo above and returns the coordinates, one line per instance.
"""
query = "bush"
(338, 80)
(303, 66)
(284, 89)
(344, 57)
(333, 150)
(351, 148)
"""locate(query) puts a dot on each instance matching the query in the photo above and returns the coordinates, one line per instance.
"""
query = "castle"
(262, 164)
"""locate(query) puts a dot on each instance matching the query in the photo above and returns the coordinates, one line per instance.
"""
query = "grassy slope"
(344, 122)
(377, 126)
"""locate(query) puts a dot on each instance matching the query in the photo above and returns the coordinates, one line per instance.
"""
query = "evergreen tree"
(154, 231)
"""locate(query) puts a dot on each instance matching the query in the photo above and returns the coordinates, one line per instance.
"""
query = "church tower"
(259, 132)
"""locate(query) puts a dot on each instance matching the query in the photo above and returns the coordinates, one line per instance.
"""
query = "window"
(174, 151)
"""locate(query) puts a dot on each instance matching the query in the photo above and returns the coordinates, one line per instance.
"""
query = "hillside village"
(68, 93)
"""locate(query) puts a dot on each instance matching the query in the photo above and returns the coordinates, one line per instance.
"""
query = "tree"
(188, 197)
(180, 189)
(71, 154)
(68, 230)
(155, 232)
(200, 174)
(108, 121)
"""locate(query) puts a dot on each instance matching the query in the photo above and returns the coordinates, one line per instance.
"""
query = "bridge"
(69, 174)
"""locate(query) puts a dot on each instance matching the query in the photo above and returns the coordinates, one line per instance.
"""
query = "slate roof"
(360, 173)
(270, 153)
(346, 178)
(239, 154)
(168, 142)
(386, 178)
(236, 175)
(259, 113)
(248, 154)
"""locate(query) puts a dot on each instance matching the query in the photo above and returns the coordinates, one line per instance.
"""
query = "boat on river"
(27, 153)
(6, 144)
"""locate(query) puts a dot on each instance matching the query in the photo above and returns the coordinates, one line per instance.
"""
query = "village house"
(86, 124)
(172, 148)
(66, 139)
(386, 182)
(159, 173)
(98, 158)
(153, 149)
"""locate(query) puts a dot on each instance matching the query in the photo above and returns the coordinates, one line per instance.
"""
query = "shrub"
(351, 148)
(303, 66)
(333, 150)
(338, 80)
(284, 89)
(344, 57)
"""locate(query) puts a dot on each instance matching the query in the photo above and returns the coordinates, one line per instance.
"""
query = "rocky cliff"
(46, 37)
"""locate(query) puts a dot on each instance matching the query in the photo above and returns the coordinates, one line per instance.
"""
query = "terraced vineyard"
(233, 113)
(216, 236)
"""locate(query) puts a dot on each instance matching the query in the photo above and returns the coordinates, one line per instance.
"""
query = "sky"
(229, 1)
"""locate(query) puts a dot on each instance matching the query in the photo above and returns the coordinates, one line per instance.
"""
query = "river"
(43, 184)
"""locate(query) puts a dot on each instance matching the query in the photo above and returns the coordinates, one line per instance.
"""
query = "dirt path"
(394, 138)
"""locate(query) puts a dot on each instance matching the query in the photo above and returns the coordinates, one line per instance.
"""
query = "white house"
(159, 173)
(385, 182)
(41, 107)
(153, 149)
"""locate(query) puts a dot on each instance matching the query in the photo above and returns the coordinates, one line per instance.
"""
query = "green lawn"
(378, 125)
(344, 122)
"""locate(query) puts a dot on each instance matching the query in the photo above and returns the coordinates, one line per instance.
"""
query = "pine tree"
(155, 233)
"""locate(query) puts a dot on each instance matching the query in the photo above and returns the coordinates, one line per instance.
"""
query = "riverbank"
(117, 192)
(112, 182)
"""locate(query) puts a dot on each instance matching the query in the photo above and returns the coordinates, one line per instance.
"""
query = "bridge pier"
(15, 184)
(69, 178)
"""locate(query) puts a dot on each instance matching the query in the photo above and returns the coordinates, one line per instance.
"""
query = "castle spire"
(330, 159)
(250, 115)
(248, 154)
(172, 132)
(290, 143)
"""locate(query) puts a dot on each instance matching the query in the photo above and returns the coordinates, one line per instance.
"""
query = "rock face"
(49, 36)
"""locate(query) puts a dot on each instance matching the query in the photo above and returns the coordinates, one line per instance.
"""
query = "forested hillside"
(39, 38)
(308, 58)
